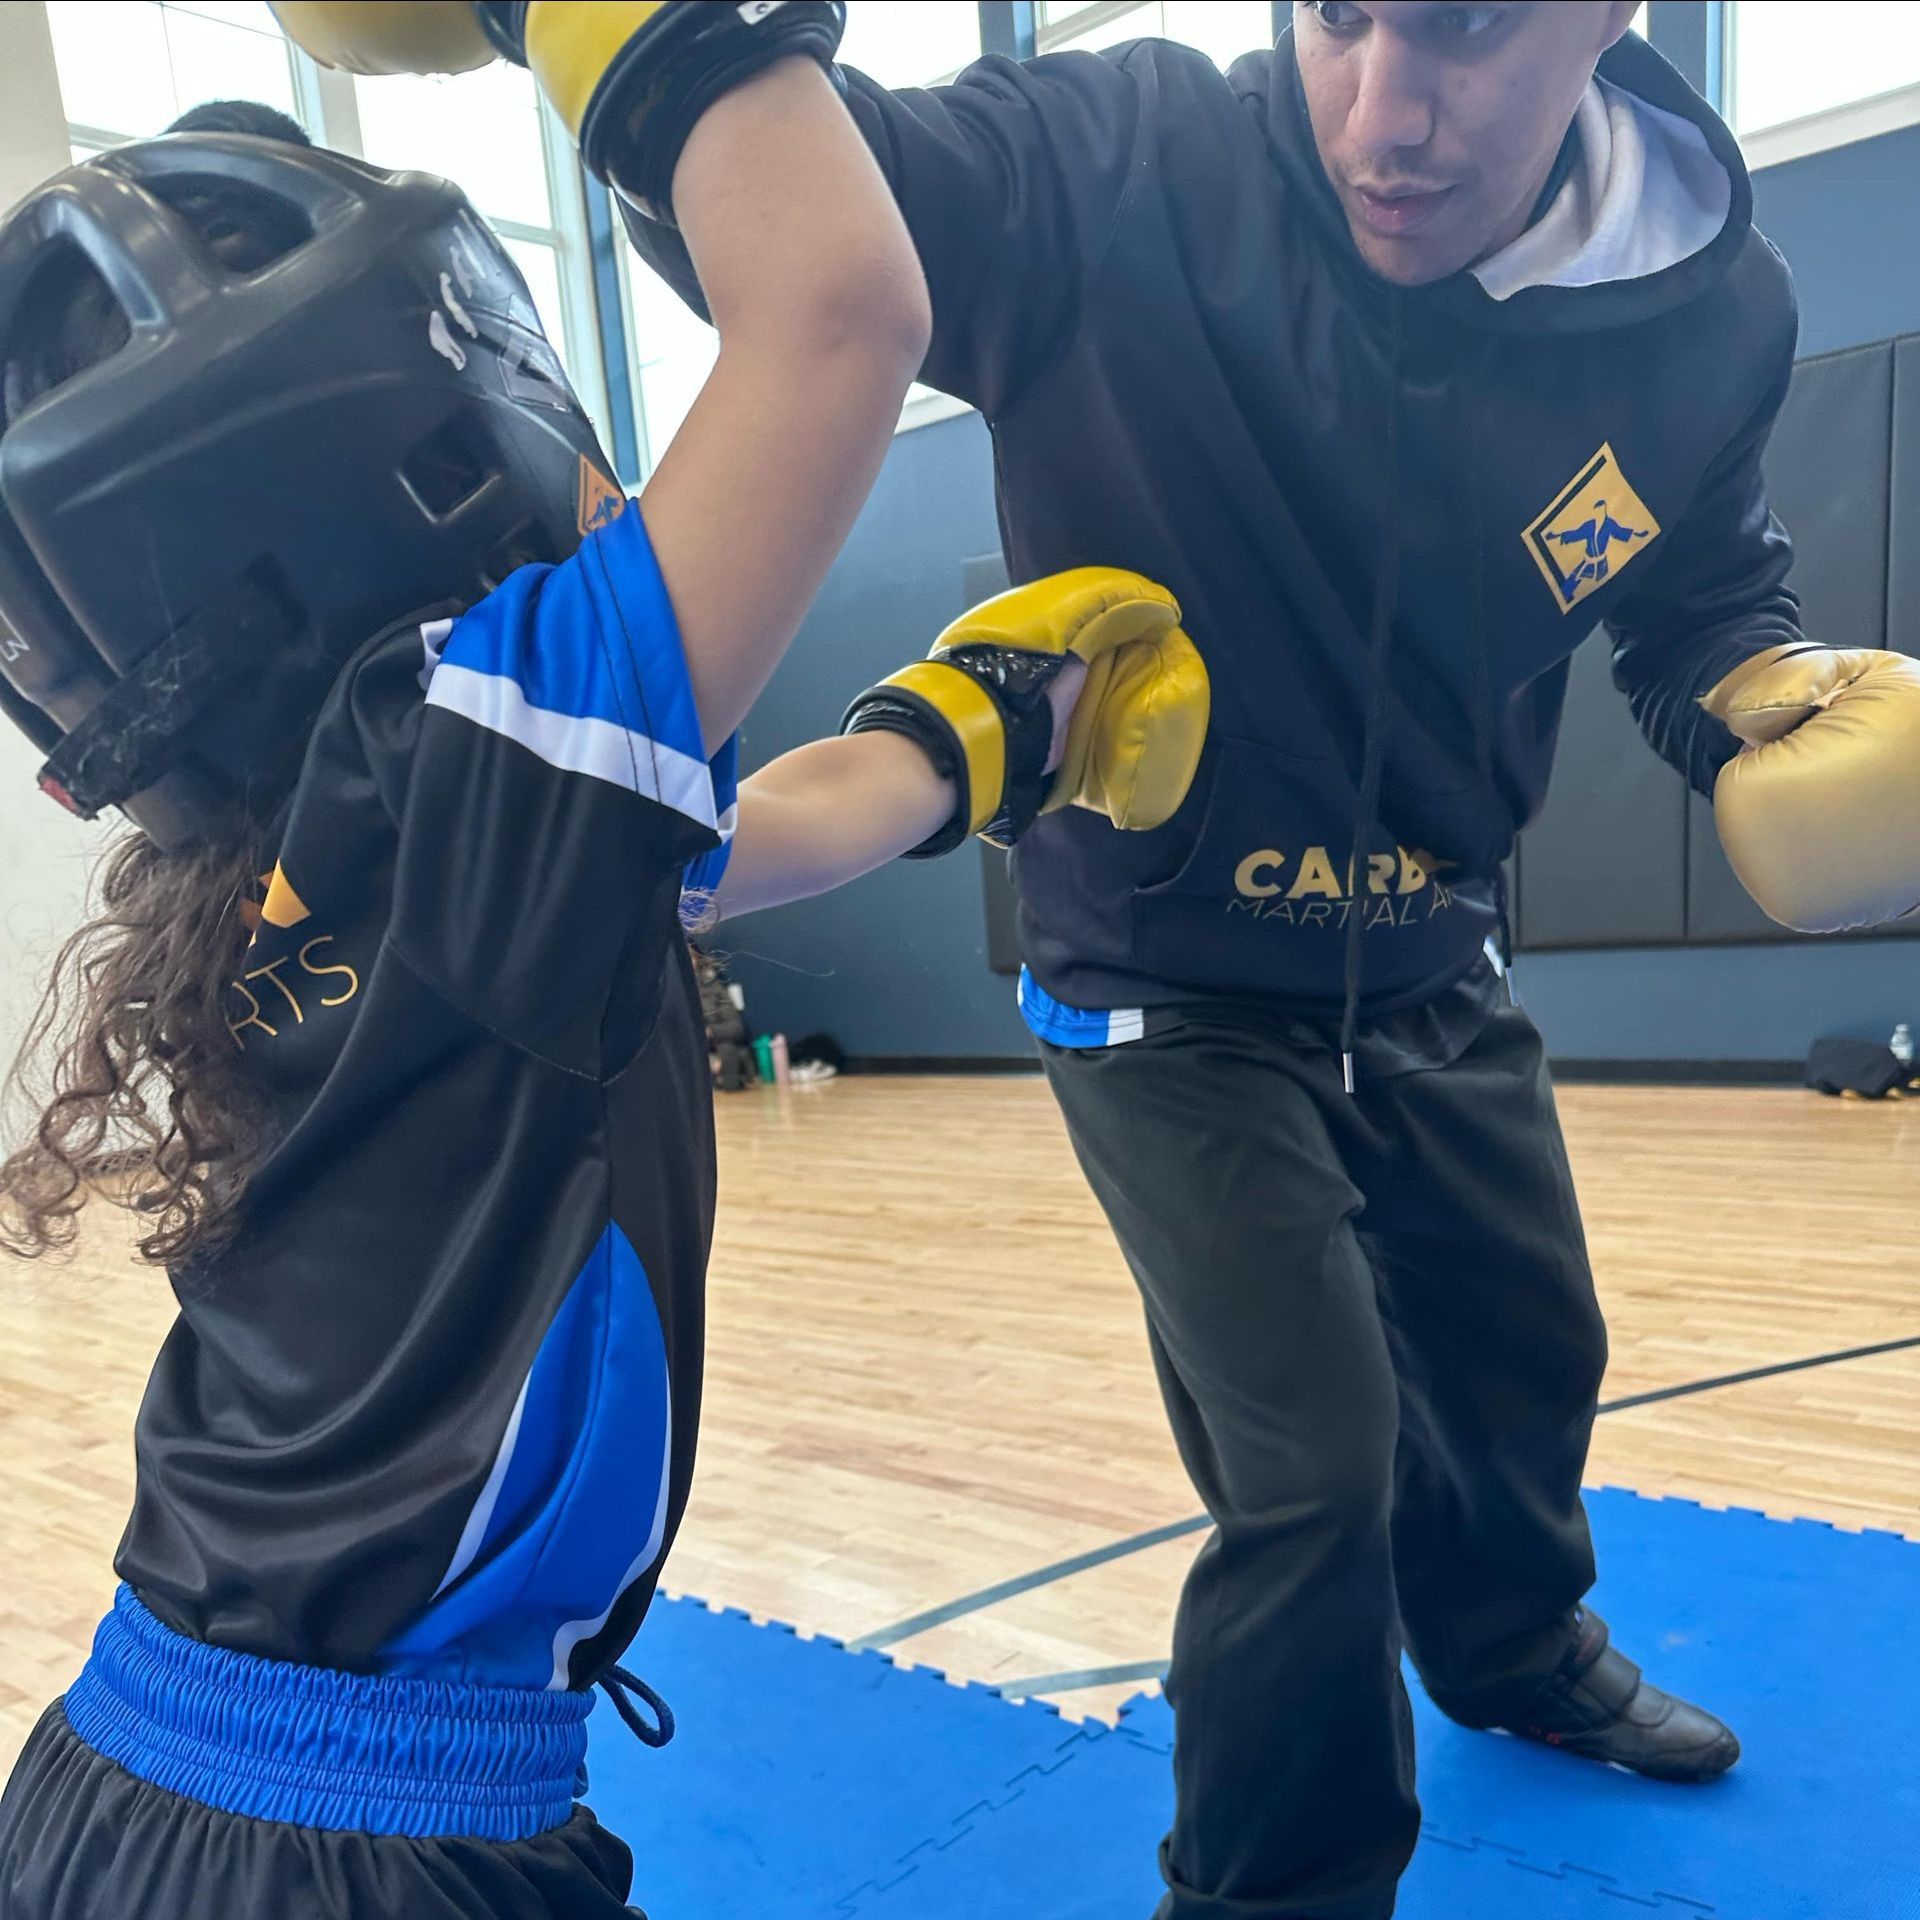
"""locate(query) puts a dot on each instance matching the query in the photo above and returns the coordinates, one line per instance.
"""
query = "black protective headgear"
(313, 398)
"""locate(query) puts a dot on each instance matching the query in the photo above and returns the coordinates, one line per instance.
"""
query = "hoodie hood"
(1644, 193)
(1654, 211)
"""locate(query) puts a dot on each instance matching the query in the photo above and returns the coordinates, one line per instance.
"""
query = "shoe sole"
(1698, 1775)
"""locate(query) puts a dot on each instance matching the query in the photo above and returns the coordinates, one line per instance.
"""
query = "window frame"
(1843, 125)
(1052, 35)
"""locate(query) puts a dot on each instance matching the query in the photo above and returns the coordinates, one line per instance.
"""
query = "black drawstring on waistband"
(618, 1685)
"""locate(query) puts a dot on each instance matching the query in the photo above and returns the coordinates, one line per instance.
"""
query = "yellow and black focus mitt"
(978, 706)
(629, 77)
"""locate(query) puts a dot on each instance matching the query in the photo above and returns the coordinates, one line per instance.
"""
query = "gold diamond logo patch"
(1596, 526)
(601, 502)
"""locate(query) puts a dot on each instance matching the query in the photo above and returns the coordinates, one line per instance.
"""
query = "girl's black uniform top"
(414, 1450)
(431, 1412)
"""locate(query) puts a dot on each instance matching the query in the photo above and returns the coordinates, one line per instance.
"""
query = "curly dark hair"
(130, 1062)
(130, 1069)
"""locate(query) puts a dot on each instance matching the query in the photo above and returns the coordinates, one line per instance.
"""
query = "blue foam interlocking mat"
(808, 1783)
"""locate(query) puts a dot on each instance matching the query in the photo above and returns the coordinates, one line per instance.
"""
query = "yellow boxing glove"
(978, 705)
(1820, 812)
(388, 36)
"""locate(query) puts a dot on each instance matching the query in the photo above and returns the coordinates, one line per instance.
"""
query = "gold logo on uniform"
(601, 501)
(283, 908)
(278, 905)
(1398, 889)
(1596, 526)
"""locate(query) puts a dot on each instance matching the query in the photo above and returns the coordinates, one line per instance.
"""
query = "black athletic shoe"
(1597, 1706)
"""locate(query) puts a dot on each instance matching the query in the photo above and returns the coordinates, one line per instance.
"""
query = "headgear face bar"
(310, 398)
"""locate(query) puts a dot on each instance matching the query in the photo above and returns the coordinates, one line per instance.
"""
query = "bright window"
(1791, 58)
(481, 129)
(1222, 29)
(911, 43)
(129, 67)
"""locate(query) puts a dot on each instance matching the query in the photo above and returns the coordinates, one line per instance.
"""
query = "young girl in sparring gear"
(424, 1115)
(428, 733)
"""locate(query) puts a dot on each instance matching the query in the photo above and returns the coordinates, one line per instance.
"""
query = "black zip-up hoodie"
(1389, 515)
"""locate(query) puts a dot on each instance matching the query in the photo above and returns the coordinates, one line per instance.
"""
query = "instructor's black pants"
(1376, 1333)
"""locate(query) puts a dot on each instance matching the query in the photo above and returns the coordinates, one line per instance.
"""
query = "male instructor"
(1404, 354)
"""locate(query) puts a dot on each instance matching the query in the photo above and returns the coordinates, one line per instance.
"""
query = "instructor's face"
(1438, 124)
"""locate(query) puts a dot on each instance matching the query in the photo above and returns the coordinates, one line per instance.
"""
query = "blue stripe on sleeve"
(582, 665)
(593, 638)
(705, 871)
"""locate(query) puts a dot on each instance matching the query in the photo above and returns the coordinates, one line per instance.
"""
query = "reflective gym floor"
(928, 1386)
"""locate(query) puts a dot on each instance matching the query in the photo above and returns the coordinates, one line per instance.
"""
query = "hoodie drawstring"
(1483, 717)
(1373, 751)
(1379, 651)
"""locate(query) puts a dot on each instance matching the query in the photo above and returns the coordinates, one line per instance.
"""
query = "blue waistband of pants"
(318, 1748)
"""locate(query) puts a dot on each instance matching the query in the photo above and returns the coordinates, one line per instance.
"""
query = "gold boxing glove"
(388, 36)
(978, 706)
(1820, 812)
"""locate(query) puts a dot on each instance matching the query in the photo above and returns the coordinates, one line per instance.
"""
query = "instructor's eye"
(1337, 16)
(1466, 23)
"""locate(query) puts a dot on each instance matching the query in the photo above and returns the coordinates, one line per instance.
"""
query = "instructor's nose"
(1393, 110)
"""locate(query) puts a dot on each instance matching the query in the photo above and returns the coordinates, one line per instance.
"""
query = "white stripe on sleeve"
(600, 749)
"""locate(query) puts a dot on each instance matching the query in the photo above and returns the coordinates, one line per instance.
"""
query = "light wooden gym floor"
(927, 1374)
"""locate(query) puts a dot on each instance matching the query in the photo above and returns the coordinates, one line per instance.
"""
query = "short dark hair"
(243, 230)
(241, 116)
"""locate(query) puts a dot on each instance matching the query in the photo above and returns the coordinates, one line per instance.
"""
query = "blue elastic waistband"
(323, 1749)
